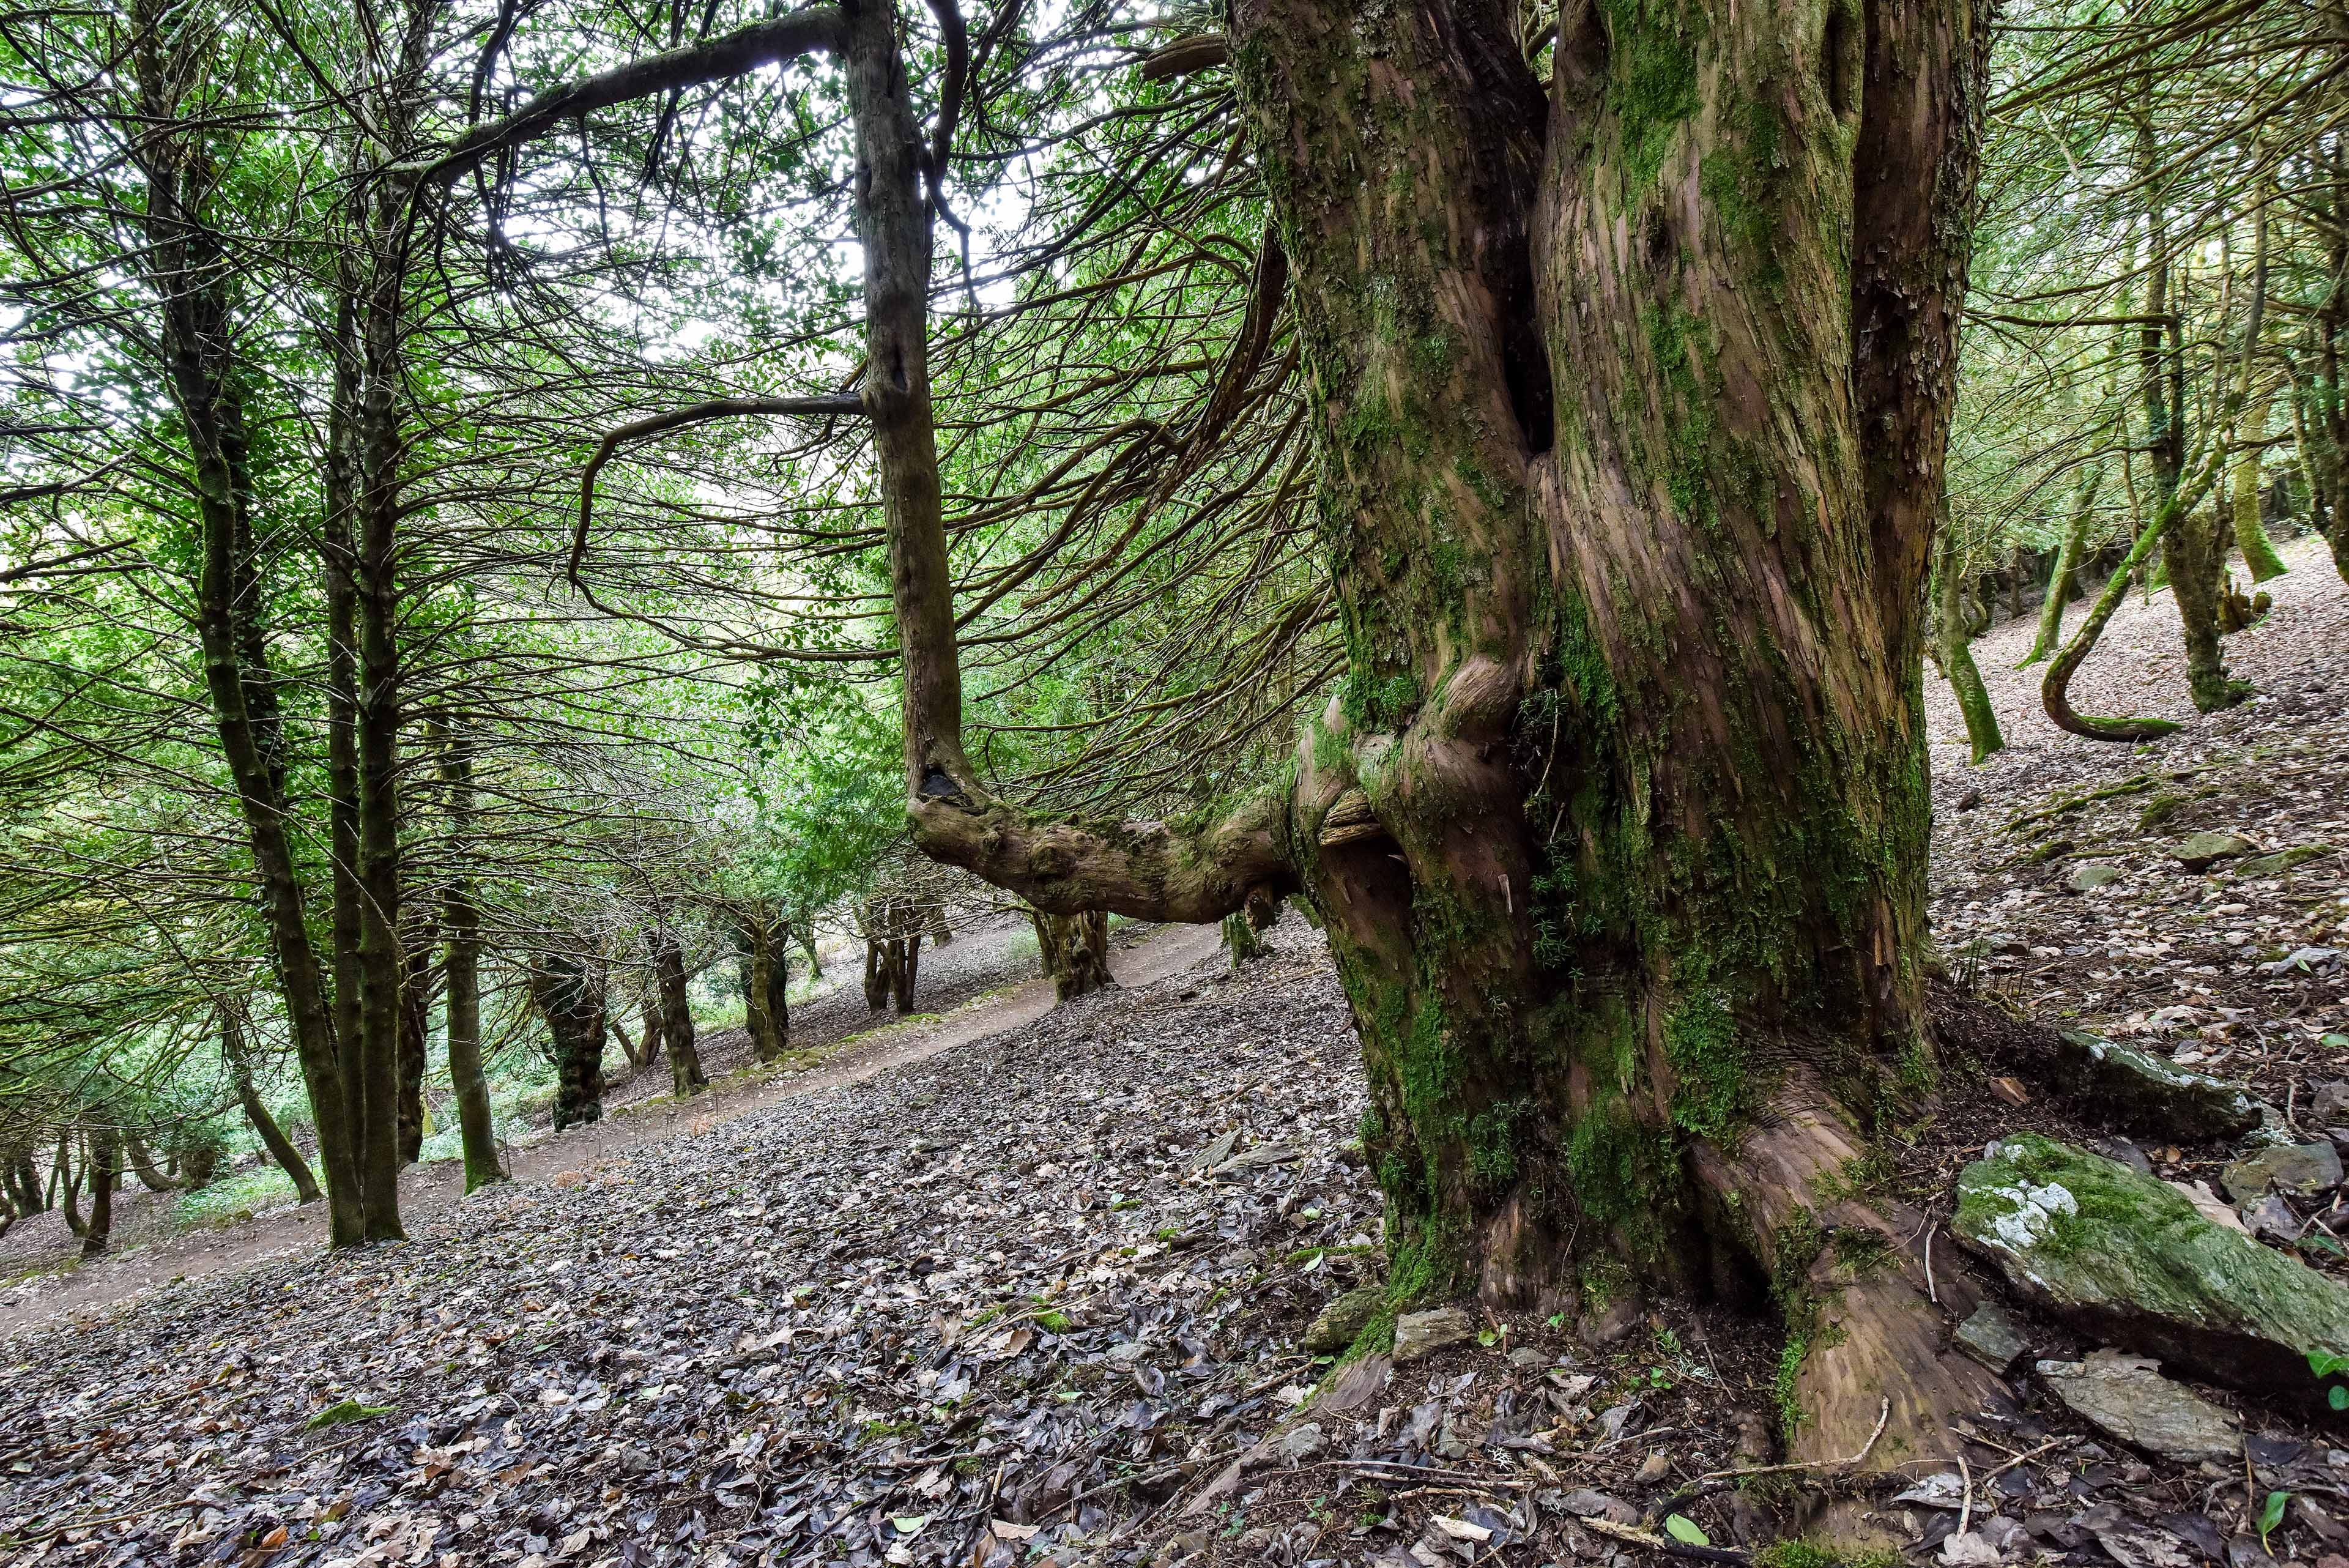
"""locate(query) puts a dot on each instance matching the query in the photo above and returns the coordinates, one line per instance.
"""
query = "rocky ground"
(1076, 1292)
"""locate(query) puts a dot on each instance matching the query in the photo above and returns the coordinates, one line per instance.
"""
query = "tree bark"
(2260, 557)
(264, 1127)
(1075, 950)
(415, 1035)
(686, 1078)
(105, 1171)
(461, 969)
(569, 991)
(2190, 547)
(2068, 554)
(1953, 652)
(191, 279)
(142, 1165)
(766, 982)
(65, 1185)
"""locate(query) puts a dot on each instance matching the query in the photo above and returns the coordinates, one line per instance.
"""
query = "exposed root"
(1871, 1369)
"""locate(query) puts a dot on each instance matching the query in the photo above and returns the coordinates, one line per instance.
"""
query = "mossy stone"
(2148, 1096)
(1343, 1319)
(2131, 1261)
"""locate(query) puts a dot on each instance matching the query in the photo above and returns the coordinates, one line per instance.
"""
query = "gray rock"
(2282, 860)
(2134, 1261)
(1418, 1334)
(1342, 1319)
(2271, 1219)
(2201, 851)
(1300, 1444)
(1585, 1503)
(2303, 960)
(2330, 1103)
(2148, 1095)
(2303, 1170)
(2126, 1398)
(2128, 1153)
(2092, 875)
(1993, 1336)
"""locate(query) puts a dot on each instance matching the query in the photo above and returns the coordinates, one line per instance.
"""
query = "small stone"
(1342, 1319)
(1418, 1334)
(2303, 1170)
(1527, 1357)
(2201, 851)
(2126, 1398)
(2092, 875)
(1653, 1468)
(2303, 960)
(1971, 799)
(2127, 1153)
(2273, 1218)
(1300, 1444)
(2330, 1103)
(1994, 1337)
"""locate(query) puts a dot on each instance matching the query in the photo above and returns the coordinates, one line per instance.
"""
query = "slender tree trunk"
(686, 1077)
(192, 277)
(2188, 546)
(461, 969)
(142, 1165)
(1241, 943)
(1954, 652)
(414, 1035)
(281, 1148)
(2332, 408)
(2068, 554)
(1075, 950)
(105, 1171)
(2260, 557)
(940, 934)
(65, 1185)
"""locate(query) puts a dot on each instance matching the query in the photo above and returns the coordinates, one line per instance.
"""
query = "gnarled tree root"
(1869, 1318)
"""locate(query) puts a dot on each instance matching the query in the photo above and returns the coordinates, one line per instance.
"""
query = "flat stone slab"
(2148, 1095)
(2133, 1262)
(2200, 851)
(1418, 1334)
(2125, 1396)
(2282, 860)
(2091, 875)
(2302, 1169)
(1994, 1336)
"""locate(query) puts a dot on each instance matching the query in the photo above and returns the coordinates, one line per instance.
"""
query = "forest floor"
(979, 985)
(1039, 1297)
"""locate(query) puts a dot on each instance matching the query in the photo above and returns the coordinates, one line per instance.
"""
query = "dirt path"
(563, 1158)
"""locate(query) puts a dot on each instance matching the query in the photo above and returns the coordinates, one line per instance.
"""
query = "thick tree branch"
(817, 29)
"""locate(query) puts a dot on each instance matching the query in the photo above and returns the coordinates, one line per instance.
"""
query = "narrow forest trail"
(637, 1121)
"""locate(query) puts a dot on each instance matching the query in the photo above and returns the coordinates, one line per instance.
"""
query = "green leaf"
(2337, 1397)
(910, 1523)
(1683, 1529)
(2336, 1041)
(2272, 1514)
(346, 1410)
(2324, 1363)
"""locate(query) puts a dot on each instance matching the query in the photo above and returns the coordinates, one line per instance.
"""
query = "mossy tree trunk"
(569, 991)
(2260, 557)
(105, 1173)
(1075, 951)
(1953, 652)
(417, 983)
(1631, 401)
(281, 1148)
(2191, 552)
(686, 1077)
(766, 981)
(2069, 551)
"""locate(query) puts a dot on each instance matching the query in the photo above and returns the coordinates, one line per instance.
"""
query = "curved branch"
(816, 29)
(831, 407)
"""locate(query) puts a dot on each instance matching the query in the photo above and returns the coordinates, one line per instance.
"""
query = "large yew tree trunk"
(1631, 393)
(1631, 400)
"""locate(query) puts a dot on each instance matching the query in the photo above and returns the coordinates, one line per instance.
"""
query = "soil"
(1028, 1284)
